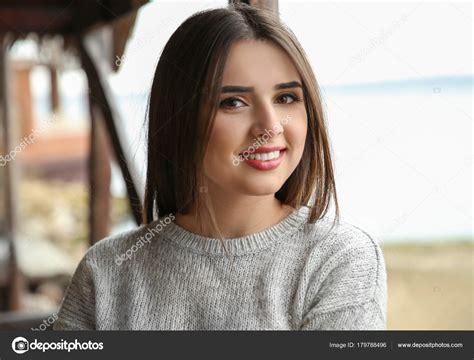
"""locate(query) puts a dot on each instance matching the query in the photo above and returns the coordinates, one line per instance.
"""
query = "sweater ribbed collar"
(236, 246)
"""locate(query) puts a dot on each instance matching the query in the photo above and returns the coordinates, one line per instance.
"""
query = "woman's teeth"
(265, 156)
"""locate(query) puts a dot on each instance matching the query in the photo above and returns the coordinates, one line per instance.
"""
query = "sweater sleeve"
(366, 316)
(349, 292)
(77, 310)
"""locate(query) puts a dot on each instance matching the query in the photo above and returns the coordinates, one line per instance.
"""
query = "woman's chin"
(261, 189)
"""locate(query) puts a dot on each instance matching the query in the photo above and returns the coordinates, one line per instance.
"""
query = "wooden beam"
(103, 100)
(38, 19)
(62, 17)
(121, 31)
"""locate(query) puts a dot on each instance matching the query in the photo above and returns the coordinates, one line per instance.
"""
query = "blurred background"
(397, 85)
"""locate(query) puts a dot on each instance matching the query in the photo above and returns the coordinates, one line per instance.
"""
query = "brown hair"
(183, 103)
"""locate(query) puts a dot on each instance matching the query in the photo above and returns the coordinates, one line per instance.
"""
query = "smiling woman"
(237, 149)
(236, 76)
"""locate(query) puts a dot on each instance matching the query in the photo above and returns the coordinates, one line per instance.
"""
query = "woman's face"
(261, 105)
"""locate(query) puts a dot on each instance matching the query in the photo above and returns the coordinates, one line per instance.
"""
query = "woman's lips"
(265, 165)
(263, 149)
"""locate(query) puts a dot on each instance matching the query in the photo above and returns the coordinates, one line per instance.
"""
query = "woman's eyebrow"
(239, 89)
(288, 85)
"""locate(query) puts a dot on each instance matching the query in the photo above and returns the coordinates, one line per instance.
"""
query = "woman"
(235, 232)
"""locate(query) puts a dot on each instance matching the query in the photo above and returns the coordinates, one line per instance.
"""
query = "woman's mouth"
(264, 160)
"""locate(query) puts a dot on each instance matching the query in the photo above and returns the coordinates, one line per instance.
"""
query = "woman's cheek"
(225, 139)
(295, 129)
(231, 130)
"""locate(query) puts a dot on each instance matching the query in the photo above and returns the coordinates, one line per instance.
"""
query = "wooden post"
(271, 5)
(10, 299)
(23, 98)
(53, 73)
(99, 177)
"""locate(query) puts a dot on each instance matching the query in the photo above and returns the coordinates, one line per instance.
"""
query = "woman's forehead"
(255, 62)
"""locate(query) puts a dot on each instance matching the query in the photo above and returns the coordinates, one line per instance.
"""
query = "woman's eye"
(233, 102)
(230, 103)
(288, 98)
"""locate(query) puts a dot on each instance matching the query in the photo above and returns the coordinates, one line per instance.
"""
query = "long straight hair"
(183, 103)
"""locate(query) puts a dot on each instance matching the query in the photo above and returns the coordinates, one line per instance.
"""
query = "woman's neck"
(237, 221)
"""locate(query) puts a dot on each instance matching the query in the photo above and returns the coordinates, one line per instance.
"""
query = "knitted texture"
(291, 276)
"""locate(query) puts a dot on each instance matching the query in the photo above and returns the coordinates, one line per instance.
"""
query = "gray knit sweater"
(290, 276)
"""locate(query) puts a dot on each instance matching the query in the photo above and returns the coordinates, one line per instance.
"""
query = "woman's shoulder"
(339, 236)
(344, 251)
(120, 246)
(344, 254)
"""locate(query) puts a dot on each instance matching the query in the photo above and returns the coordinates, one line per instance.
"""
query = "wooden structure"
(106, 25)
(73, 21)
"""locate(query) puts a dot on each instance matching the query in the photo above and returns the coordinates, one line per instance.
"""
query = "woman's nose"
(267, 120)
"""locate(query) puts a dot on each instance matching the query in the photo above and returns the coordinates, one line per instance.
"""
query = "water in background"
(404, 156)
